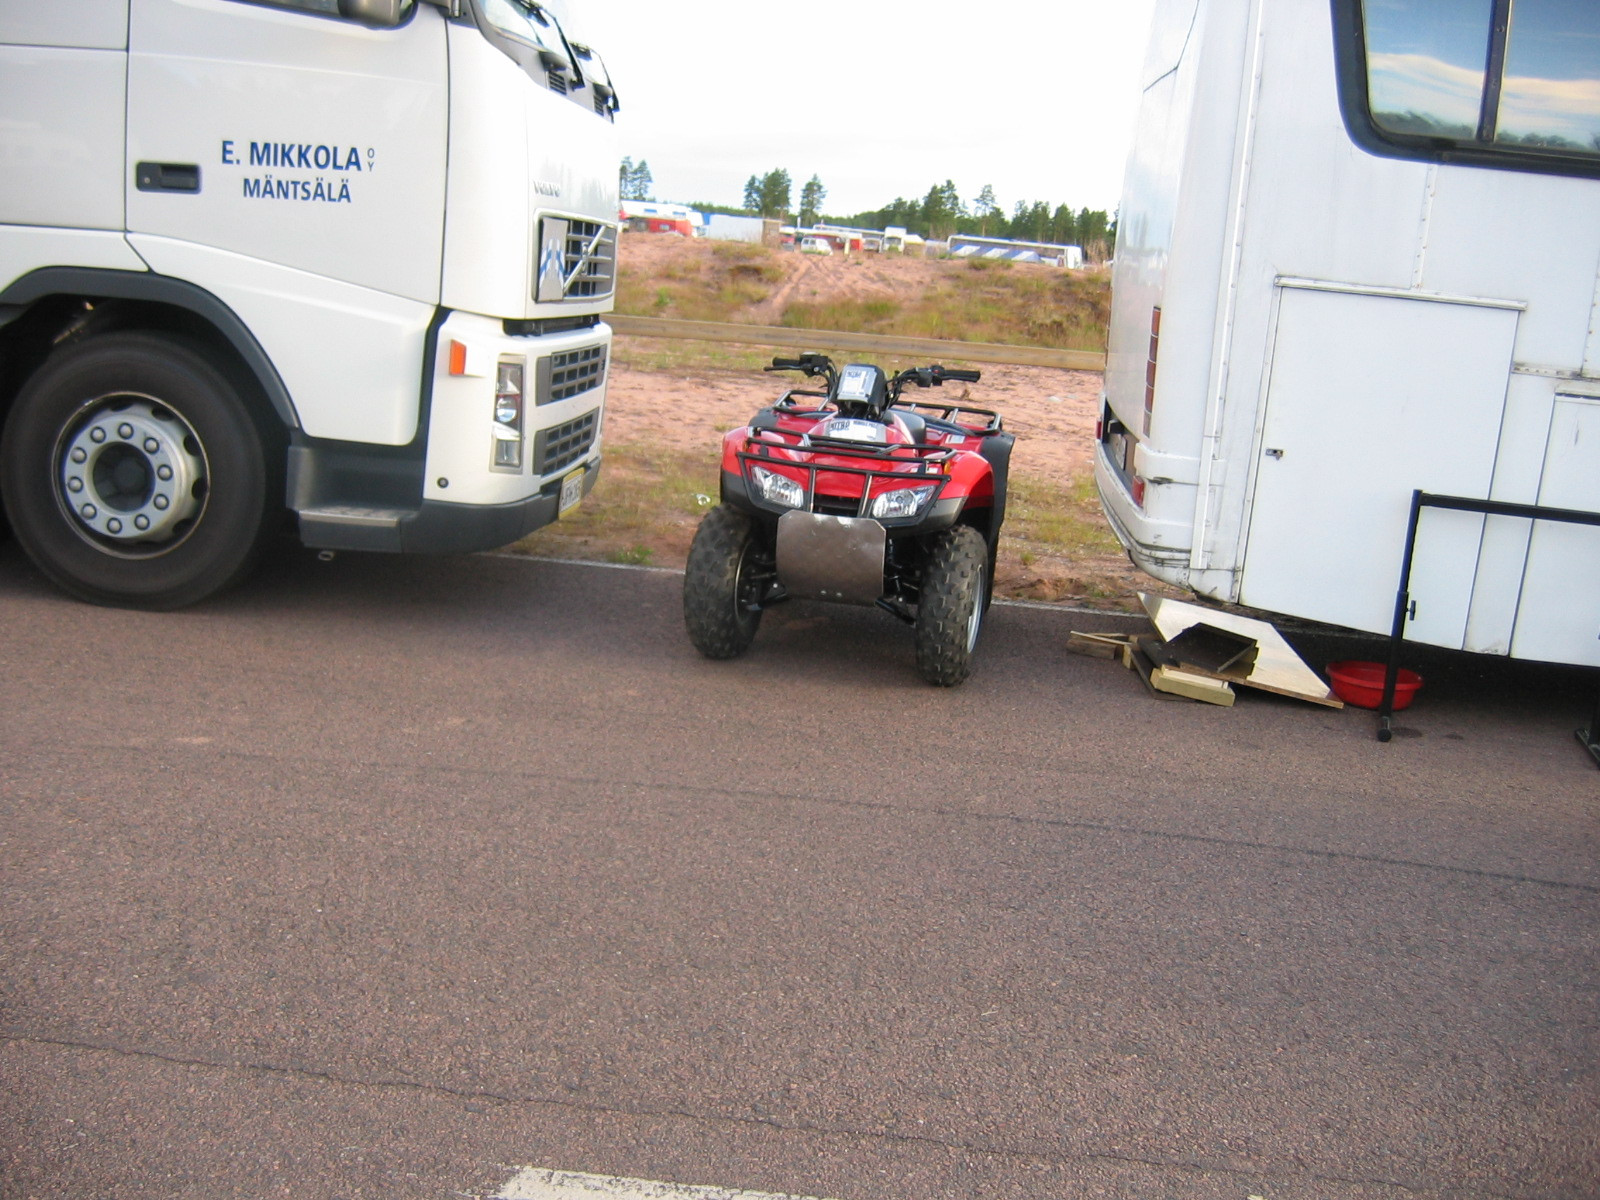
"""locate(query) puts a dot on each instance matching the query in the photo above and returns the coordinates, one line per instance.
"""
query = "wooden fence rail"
(922, 349)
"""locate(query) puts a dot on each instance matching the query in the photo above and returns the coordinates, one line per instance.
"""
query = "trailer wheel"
(723, 583)
(954, 595)
(134, 474)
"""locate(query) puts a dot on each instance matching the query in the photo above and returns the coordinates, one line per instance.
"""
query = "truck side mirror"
(383, 13)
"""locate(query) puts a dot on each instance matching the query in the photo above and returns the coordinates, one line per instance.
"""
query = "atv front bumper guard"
(923, 468)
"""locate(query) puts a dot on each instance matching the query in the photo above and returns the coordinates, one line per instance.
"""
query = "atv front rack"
(925, 465)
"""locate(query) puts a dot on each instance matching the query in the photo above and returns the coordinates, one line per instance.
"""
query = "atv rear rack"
(947, 414)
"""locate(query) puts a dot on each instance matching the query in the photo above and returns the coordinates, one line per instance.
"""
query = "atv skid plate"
(831, 558)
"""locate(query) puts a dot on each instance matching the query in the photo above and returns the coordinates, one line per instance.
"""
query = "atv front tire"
(951, 606)
(723, 584)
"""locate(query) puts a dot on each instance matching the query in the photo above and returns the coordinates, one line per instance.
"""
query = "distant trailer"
(966, 246)
(725, 228)
(650, 216)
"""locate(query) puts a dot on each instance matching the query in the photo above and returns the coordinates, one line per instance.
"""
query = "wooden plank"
(921, 349)
(1192, 685)
(1097, 645)
(1277, 669)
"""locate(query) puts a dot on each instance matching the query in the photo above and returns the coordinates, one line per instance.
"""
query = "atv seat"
(915, 425)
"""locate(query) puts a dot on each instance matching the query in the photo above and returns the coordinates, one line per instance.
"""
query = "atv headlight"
(902, 502)
(778, 489)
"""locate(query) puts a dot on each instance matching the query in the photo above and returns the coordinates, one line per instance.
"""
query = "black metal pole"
(1402, 602)
(1590, 737)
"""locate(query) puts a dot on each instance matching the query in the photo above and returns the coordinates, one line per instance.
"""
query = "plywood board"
(1277, 668)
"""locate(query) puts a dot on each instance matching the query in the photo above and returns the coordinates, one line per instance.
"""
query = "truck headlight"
(902, 502)
(508, 381)
(778, 489)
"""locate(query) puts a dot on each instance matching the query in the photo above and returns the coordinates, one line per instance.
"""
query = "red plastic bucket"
(1361, 684)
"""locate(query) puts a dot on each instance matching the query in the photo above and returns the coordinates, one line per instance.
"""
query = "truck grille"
(591, 259)
(560, 446)
(577, 259)
(570, 373)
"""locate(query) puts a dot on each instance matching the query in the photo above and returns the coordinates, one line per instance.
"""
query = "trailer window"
(1425, 65)
(1550, 99)
(1483, 82)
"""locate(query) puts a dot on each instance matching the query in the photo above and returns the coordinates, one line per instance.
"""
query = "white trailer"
(1357, 257)
(344, 258)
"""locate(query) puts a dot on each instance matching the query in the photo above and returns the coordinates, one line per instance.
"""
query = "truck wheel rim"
(132, 474)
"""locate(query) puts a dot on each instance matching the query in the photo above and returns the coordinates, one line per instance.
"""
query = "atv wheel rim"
(747, 587)
(975, 620)
(132, 474)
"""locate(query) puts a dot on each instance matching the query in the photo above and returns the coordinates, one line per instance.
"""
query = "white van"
(1357, 257)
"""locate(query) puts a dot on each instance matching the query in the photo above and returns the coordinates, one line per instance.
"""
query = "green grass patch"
(993, 302)
(673, 356)
(643, 508)
(1046, 518)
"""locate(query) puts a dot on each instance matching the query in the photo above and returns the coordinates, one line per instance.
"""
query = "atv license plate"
(571, 493)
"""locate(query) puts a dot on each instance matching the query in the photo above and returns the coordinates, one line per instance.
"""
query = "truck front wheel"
(134, 474)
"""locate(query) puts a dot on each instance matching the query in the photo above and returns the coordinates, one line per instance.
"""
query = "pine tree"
(985, 207)
(811, 197)
(775, 193)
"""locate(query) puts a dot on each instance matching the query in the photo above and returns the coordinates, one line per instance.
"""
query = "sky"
(877, 98)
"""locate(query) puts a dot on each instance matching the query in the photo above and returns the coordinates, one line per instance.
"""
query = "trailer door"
(1558, 619)
(1371, 395)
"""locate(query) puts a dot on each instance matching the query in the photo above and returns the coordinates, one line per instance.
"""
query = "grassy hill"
(961, 299)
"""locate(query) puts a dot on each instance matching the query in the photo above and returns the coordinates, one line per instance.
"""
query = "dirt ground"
(1052, 412)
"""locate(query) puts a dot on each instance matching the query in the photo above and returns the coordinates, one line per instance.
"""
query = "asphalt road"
(386, 878)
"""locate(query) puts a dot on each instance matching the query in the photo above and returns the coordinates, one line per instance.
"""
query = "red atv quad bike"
(853, 495)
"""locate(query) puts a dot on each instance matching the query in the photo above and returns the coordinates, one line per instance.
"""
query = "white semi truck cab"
(346, 259)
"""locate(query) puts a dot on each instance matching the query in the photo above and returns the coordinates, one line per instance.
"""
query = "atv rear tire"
(722, 584)
(950, 610)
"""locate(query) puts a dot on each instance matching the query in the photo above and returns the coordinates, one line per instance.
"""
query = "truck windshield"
(529, 34)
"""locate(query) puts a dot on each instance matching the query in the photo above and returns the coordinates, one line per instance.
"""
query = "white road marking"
(535, 1183)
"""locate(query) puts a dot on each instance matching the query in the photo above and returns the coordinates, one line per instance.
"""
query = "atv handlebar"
(932, 377)
(814, 364)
